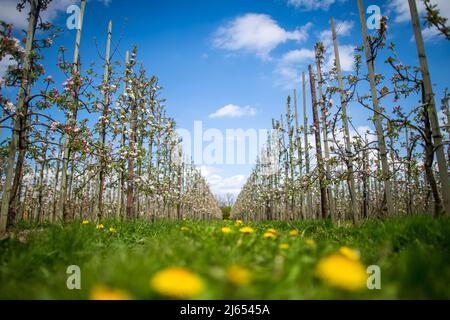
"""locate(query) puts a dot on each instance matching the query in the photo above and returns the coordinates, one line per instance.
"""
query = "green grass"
(413, 254)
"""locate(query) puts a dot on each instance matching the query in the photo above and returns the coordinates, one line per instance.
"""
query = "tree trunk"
(299, 156)
(55, 186)
(365, 177)
(320, 165)
(102, 138)
(409, 152)
(121, 186)
(319, 50)
(348, 151)
(309, 206)
(131, 142)
(14, 200)
(35, 7)
(431, 109)
(290, 130)
(429, 156)
(61, 213)
(41, 179)
(376, 116)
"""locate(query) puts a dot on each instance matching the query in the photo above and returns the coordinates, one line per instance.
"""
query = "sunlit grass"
(122, 259)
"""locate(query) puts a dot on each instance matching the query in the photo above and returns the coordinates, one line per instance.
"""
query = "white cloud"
(209, 170)
(343, 28)
(256, 33)
(233, 111)
(287, 76)
(346, 52)
(297, 56)
(401, 9)
(9, 13)
(309, 5)
(222, 185)
(346, 56)
(229, 185)
(364, 132)
(290, 65)
(430, 34)
(402, 14)
(442, 118)
(5, 62)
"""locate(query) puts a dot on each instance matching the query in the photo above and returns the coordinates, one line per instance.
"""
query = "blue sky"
(245, 54)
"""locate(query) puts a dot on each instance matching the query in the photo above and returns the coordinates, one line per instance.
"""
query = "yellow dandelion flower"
(283, 246)
(85, 222)
(349, 253)
(246, 230)
(269, 235)
(238, 275)
(112, 230)
(272, 230)
(184, 229)
(310, 243)
(294, 233)
(104, 293)
(238, 222)
(341, 272)
(226, 230)
(177, 283)
(99, 226)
